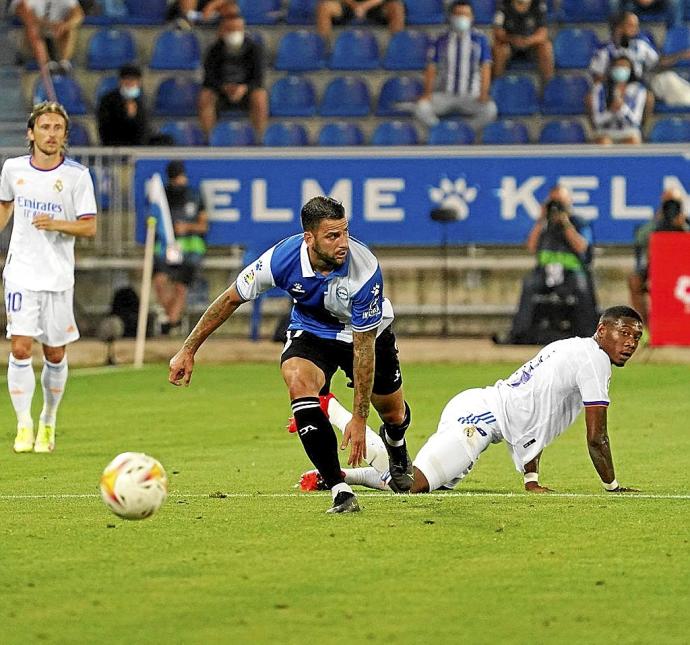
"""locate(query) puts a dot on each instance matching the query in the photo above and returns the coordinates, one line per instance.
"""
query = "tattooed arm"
(363, 373)
(182, 364)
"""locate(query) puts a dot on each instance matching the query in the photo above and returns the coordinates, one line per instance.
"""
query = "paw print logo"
(455, 195)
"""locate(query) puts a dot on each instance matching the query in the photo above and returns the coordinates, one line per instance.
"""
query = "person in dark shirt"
(233, 77)
(342, 12)
(122, 118)
(172, 276)
(520, 30)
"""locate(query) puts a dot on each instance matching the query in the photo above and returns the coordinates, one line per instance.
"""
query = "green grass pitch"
(264, 564)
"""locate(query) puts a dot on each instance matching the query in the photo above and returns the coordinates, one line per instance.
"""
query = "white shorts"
(47, 316)
(466, 429)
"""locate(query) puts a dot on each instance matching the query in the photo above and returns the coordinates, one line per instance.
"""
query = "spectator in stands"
(192, 12)
(233, 77)
(520, 31)
(670, 216)
(122, 117)
(648, 67)
(671, 9)
(175, 270)
(341, 12)
(562, 244)
(50, 28)
(457, 77)
(616, 106)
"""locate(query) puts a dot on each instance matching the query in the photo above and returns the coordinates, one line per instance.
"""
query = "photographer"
(669, 217)
(562, 245)
(616, 105)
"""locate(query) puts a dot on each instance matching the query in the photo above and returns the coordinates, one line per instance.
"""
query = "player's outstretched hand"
(181, 368)
(534, 487)
(355, 435)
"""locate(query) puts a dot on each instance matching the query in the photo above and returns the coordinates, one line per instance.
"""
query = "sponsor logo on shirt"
(248, 278)
(373, 311)
(34, 207)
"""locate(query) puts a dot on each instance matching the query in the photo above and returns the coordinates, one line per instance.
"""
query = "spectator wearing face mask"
(122, 118)
(457, 77)
(233, 77)
(616, 105)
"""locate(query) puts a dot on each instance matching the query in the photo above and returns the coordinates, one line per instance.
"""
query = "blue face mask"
(130, 93)
(461, 23)
(620, 74)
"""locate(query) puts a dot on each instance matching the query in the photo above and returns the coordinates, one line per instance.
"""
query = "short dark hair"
(460, 3)
(612, 314)
(175, 169)
(318, 209)
(130, 71)
(617, 18)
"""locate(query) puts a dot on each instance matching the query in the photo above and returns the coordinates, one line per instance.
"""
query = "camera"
(554, 208)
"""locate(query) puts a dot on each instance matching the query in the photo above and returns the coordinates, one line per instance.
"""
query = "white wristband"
(612, 486)
(531, 477)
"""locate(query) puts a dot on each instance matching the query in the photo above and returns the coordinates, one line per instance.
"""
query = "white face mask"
(461, 23)
(234, 39)
(620, 74)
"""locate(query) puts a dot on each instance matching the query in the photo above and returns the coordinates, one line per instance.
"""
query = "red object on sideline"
(669, 288)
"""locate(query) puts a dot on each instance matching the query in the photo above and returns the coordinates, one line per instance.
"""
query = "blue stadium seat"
(183, 133)
(261, 12)
(406, 50)
(562, 131)
(515, 95)
(424, 12)
(148, 12)
(398, 89)
(677, 39)
(395, 133)
(484, 11)
(11, 96)
(292, 96)
(301, 51)
(355, 49)
(68, 92)
(232, 133)
(301, 12)
(451, 133)
(13, 134)
(670, 130)
(176, 49)
(584, 10)
(78, 135)
(573, 48)
(280, 135)
(505, 132)
(110, 49)
(565, 95)
(105, 85)
(346, 96)
(341, 133)
(177, 96)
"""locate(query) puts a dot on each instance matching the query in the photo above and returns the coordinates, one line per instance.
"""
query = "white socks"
(53, 379)
(368, 477)
(21, 383)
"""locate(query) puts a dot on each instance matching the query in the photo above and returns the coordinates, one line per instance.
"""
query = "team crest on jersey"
(470, 430)
(297, 288)
(57, 186)
(342, 293)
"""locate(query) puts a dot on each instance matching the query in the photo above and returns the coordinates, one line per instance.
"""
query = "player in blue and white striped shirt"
(458, 73)
(339, 320)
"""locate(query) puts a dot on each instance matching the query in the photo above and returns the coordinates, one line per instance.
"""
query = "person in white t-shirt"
(51, 28)
(52, 199)
(533, 406)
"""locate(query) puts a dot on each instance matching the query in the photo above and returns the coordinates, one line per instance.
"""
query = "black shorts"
(184, 273)
(375, 15)
(329, 355)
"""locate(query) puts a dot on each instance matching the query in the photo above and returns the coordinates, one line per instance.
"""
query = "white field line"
(320, 495)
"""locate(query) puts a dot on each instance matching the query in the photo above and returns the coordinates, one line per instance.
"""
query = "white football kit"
(528, 410)
(39, 269)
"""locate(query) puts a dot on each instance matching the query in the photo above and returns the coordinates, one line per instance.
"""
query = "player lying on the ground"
(536, 404)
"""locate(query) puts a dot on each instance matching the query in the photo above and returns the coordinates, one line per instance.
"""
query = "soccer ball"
(134, 485)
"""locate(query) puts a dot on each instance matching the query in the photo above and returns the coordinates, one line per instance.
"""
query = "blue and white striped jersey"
(459, 59)
(330, 306)
(628, 116)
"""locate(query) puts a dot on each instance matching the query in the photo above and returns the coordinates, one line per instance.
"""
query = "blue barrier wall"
(253, 198)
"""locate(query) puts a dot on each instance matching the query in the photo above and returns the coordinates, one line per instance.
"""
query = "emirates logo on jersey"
(57, 186)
